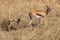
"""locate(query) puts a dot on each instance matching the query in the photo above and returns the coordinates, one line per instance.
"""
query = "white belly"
(38, 16)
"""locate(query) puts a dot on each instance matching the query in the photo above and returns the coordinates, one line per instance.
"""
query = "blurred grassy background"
(49, 28)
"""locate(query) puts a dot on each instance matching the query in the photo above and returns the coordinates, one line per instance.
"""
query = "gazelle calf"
(38, 14)
(13, 22)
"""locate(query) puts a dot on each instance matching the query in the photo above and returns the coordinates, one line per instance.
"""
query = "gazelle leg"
(39, 22)
(16, 26)
(30, 23)
(9, 27)
(30, 16)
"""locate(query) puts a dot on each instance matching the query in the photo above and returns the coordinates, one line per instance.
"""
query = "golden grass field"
(49, 28)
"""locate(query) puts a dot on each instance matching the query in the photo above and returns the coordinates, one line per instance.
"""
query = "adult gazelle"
(38, 14)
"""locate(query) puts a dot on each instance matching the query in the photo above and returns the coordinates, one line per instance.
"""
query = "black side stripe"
(39, 14)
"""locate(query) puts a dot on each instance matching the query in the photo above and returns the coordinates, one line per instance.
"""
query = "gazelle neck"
(47, 10)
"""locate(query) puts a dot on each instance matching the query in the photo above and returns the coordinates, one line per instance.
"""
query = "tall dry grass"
(49, 28)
